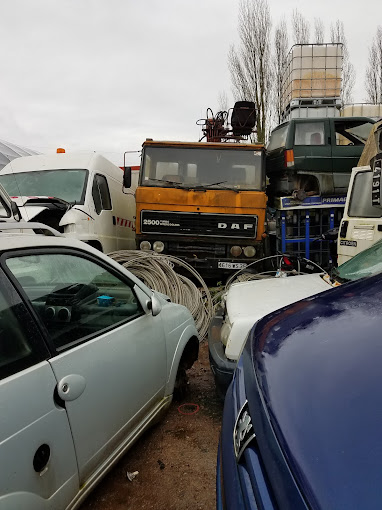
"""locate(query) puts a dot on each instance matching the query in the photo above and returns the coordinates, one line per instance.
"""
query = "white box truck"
(80, 195)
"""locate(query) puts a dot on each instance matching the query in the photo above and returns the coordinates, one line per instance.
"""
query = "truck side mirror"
(376, 183)
(127, 177)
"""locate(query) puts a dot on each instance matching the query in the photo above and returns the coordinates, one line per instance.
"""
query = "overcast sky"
(106, 74)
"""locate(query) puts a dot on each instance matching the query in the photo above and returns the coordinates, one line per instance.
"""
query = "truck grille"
(198, 224)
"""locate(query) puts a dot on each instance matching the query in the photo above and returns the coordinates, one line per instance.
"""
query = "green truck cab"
(314, 156)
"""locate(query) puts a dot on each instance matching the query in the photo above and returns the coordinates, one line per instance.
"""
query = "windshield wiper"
(335, 276)
(204, 186)
(165, 180)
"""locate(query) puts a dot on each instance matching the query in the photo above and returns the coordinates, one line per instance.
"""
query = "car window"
(309, 133)
(352, 132)
(101, 194)
(74, 297)
(20, 343)
(278, 138)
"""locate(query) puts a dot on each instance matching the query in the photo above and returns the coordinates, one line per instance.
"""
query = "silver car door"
(111, 357)
(37, 458)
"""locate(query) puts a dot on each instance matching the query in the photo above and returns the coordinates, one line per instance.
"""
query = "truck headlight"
(158, 246)
(235, 251)
(249, 251)
(145, 245)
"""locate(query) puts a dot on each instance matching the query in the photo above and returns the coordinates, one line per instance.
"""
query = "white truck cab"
(79, 194)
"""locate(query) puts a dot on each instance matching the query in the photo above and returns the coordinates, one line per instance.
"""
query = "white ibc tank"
(312, 71)
(373, 111)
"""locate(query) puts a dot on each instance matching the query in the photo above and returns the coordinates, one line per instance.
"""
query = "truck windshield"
(360, 205)
(203, 167)
(69, 185)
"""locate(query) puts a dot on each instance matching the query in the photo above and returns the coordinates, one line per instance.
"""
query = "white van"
(361, 224)
(80, 195)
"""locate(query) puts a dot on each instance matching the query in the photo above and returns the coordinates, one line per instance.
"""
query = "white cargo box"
(373, 111)
(312, 71)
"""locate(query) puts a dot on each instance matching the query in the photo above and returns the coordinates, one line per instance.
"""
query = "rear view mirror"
(127, 177)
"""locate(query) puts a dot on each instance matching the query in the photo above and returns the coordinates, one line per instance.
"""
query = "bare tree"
(373, 79)
(337, 35)
(222, 101)
(281, 50)
(319, 31)
(300, 28)
(250, 66)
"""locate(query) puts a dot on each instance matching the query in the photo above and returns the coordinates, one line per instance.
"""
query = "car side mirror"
(154, 305)
(127, 177)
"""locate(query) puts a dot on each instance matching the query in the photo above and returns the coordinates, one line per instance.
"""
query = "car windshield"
(203, 167)
(365, 263)
(69, 185)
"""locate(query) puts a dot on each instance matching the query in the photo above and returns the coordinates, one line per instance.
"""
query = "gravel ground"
(175, 460)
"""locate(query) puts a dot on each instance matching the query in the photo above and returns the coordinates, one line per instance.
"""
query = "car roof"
(318, 119)
(10, 241)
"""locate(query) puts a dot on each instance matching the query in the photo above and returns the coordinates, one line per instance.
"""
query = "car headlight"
(225, 332)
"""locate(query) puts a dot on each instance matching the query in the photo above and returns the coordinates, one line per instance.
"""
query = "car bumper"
(221, 367)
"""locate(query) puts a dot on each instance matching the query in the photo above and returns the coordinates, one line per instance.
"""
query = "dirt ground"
(175, 460)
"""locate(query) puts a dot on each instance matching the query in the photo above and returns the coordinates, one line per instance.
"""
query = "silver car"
(89, 358)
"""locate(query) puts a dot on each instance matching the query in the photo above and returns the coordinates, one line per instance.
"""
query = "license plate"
(232, 265)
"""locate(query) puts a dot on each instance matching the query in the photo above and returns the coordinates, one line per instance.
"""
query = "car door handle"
(71, 387)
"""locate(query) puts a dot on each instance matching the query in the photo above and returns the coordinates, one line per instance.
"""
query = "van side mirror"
(376, 183)
(127, 177)
(15, 211)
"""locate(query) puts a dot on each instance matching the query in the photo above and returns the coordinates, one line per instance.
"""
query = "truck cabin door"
(105, 220)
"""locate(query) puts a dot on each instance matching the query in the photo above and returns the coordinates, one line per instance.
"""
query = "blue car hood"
(317, 367)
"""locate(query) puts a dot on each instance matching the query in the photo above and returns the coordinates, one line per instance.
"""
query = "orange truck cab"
(203, 202)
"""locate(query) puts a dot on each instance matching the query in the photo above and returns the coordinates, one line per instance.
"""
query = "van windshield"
(69, 185)
(188, 168)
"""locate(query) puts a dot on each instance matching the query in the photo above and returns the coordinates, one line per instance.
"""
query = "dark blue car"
(302, 423)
